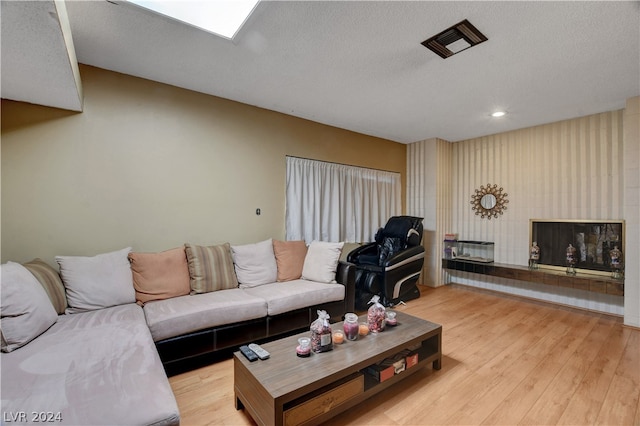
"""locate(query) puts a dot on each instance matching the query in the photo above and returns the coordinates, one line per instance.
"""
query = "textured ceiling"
(360, 65)
(38, 59)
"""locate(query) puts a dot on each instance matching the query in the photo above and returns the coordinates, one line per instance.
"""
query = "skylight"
(221, 17)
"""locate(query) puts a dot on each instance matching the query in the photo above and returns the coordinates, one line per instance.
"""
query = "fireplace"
(594, 241)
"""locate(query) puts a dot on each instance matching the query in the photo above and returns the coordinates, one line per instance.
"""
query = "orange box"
(412, 360)
(381, 372)
(387, 373)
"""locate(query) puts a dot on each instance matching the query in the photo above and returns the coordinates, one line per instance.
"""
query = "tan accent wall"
(153, 166)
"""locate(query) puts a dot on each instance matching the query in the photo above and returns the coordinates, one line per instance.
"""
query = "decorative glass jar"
(304, 347)
(391, 319)
(350, 326)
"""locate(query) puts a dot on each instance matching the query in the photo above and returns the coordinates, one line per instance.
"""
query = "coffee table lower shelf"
(319, 400)
(325, 406)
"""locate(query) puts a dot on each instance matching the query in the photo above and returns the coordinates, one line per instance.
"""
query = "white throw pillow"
(27, 311)
(255, 264)
(97, 282)
(321, 262)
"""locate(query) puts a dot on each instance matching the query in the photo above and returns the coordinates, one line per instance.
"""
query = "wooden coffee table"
(286, 389)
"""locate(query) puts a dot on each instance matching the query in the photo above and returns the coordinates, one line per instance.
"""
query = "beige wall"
(153, 166)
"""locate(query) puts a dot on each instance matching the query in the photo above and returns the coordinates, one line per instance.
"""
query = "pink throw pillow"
(158, 276)
(289, 258)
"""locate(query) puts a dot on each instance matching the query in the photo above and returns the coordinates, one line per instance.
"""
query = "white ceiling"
(351, 64)
(38, 59)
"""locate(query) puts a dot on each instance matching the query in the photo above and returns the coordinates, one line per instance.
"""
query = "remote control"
(262, 354)
(248, 353)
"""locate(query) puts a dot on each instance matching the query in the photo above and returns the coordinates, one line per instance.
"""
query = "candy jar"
(321, 340)
(376, 315)
(391, 319)
(304, 347)
(350, 326)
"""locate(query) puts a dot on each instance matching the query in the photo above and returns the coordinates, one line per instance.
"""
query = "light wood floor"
(505, 361)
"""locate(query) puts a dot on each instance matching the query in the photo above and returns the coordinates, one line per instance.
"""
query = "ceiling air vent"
(454, 39)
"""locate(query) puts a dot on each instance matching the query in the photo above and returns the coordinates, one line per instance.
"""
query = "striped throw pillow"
(50, 280)
(210, 268)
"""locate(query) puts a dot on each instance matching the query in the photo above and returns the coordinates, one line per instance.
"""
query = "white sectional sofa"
(93, 344)
(94, 368)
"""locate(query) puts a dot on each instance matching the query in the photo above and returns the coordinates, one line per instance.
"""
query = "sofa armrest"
(369, 249)
(346, 275)
(404, 257)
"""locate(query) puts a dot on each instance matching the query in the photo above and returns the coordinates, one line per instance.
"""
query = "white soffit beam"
(39, 62)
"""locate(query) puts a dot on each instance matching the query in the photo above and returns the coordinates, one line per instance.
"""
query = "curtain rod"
(342, 164)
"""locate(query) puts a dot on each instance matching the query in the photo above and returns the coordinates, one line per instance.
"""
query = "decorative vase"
(571, 260)
(534, 256)
(616, 262)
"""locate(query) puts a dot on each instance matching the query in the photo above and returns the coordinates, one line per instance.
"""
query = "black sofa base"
(186, 352)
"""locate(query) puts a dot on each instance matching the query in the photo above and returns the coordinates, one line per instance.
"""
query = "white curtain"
(335, 202)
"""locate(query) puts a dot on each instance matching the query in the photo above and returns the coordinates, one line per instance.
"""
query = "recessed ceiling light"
(221, 17)
(498, 114)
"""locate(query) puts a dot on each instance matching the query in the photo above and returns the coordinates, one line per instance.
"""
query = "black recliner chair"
(390, 266)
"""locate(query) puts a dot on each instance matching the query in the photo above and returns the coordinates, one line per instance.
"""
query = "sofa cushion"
(289, 259)
(185, 314)
(97, 282)
(321, 261)
(210, 268)
(296, 294)
(158, 276)
(255, 264)
(94, 368)
(50, 279)
(25, 308)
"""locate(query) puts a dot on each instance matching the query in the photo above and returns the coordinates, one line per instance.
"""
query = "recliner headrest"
(405, 228)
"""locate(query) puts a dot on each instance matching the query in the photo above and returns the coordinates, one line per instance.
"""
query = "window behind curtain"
(335, 202)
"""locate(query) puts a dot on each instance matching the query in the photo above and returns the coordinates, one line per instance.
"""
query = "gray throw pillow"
(321, 261)
(255, 264)
(97, 282)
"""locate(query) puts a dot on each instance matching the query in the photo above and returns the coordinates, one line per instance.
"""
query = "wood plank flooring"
(506, 361)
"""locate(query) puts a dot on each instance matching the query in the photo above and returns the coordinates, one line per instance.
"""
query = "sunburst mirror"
(489, 201)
